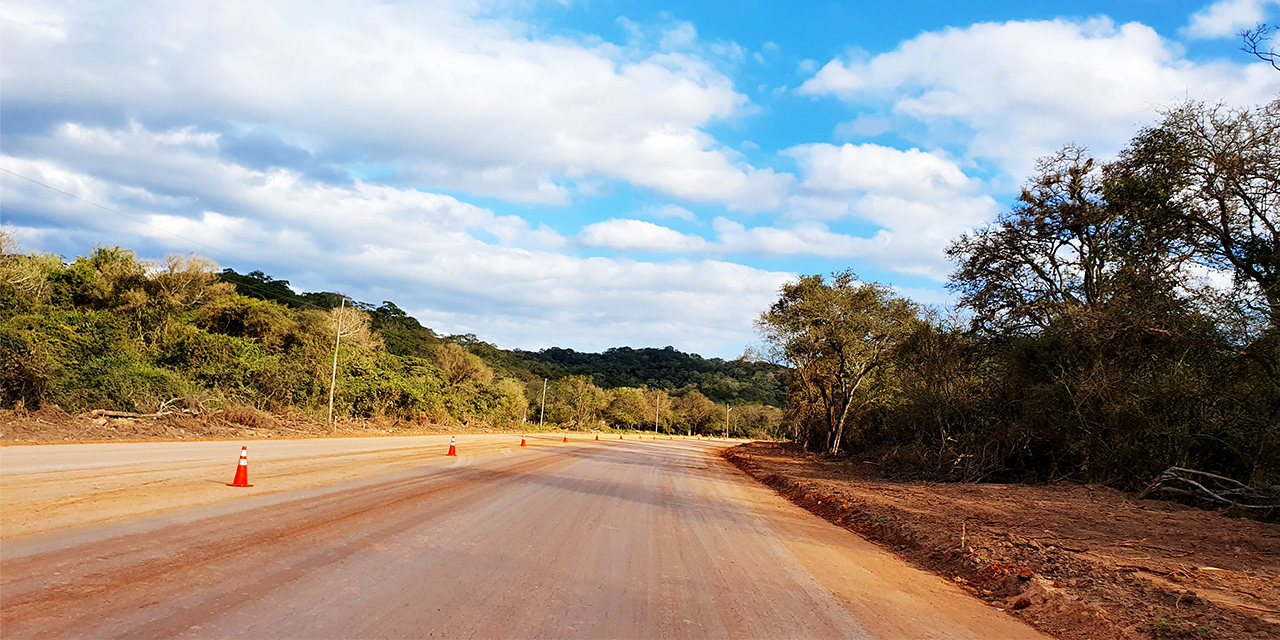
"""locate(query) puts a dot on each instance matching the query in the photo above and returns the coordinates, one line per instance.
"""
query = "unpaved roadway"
(386, 537)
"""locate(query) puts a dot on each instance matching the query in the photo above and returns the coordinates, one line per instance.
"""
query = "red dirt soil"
(1074, 561)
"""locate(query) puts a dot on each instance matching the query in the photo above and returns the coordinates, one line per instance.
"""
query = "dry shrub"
(249, 417)
(51, 413)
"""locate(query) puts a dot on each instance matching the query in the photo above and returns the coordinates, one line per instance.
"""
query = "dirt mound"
(1074, 561)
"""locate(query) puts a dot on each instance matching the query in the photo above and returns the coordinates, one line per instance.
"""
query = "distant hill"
(734, 381)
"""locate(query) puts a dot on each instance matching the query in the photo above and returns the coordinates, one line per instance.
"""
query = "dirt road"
(385, 537)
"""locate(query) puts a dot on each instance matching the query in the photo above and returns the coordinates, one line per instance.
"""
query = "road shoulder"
(1073, 561)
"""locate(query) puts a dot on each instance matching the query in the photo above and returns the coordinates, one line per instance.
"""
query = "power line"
(144, 223)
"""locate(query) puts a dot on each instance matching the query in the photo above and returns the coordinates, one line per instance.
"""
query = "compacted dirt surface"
(1074, 561)
(388, 537)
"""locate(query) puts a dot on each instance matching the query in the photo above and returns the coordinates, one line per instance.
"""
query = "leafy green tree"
(836, 335)
(756, 420)
(1062, 247)
(696, 413)
(511, 406)
(1213, 173)
(628, 408)
(575, 401)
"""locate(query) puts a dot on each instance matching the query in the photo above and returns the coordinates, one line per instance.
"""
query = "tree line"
(111, 331)
(1123, 317)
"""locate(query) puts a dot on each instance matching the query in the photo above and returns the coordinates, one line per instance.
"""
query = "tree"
(110, 278)
(696, 411)
(575, 400)
(511, 406)
(1217, 171)
(187, 282)
(628, 408)
(459, 366)
(1256, 44)
(1064, 246)
(756, 420)
(23, 276)
(835, 335)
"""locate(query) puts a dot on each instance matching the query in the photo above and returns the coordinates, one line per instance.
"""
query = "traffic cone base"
(453, 446)
(242, 470)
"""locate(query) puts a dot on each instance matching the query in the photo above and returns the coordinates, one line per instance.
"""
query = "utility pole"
(657, 407)
(543, 411)
(726, 420)
(333, 378)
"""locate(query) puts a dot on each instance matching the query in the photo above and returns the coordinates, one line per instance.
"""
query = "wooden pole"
(333, 378)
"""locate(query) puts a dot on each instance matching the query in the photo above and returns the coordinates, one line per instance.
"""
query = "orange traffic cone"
(453, 446)
(566, 438)
(242, 470)
(619, 436)
(522, 441)
(597, 437)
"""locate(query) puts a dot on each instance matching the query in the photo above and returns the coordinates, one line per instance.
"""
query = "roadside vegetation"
(1122, 318)
(111, 332)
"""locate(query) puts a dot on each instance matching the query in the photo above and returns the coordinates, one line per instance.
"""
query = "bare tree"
(1256, 44)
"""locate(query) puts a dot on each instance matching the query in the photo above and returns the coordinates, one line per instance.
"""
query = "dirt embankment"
(1074, 561)
(51, 424)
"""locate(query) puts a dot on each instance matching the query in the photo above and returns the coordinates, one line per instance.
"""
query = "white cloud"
(805, 238)
(425, 251)
(681, 37)
(919, 200)
(638, 235)
(449, 99)
(670, 211)
(1226, 18)
(1010, 92)
(883, 170)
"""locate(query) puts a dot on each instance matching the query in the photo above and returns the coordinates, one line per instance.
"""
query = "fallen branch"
(126, 414)
(1136, 567)
(1237, 605)
(1233, 493)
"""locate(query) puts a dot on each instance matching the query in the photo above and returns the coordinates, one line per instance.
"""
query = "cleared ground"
(1077, 561)
(367, 537)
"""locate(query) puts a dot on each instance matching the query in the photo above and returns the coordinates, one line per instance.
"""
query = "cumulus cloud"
(638, 235)
(1226, 18)
(884, 170)
(670, 211)
(450, 99)
(458, 267)
(920, 200)
(1007, 93)
(805, 238)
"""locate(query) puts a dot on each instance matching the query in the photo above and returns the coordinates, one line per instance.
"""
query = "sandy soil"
(1074, 561)
(581, 539)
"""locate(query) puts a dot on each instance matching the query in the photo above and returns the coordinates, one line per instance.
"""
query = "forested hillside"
(110, 331)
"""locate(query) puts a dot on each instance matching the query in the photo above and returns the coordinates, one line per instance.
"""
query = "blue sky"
(583, 174)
